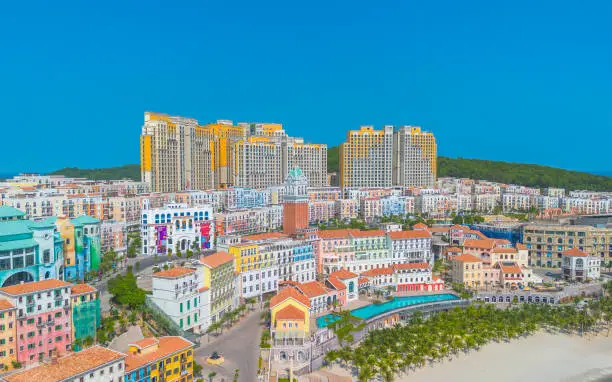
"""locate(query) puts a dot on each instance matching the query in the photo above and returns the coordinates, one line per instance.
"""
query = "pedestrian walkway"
(122, 343)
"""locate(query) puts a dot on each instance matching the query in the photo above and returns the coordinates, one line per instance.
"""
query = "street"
(240, 348)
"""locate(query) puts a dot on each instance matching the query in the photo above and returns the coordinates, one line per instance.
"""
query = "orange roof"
(467, 259)
(336, 283)
(335, 233)
(290, 312)
(166, 346)
(504, 250)
(377, 272)
(173, 273)
(509, 267)
(481, 243)
(359, 233)
(216, 259)
(78, 289)
(203, 289)
(363, 280)
(145, 342)
(420, 226)
(439, 229)
(5, 304)
(33, 287)
(288, 282)
(453, 249)
(521, 246)
(312, 289)
(265, 236)
(414, 234)
(435, 278)
(411, 266)
(575, 252)
(501, 241)
(343, 274)
(289, 292)
(68, 366)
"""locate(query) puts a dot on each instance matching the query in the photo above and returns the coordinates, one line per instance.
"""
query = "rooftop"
(33, 287)
(377, 272)
(216, 259)
(173, 273)
(68, 367)
(5, 305)
(78, 289)
(165, 346)
(343, 274)
(574, 252)
(10, 212)
(467, 259)
(290, 312)
(414, 234)
(313, 289)
(289, 292)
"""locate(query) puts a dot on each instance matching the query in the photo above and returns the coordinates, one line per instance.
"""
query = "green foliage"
(125, 291)
(462, 290)
(505, 172)
(16, 365)
(468, 219)
(197, 369)
(128, 171)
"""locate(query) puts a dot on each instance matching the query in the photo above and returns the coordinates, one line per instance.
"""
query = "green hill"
(518, 173)
(128, 171)
(504, 172)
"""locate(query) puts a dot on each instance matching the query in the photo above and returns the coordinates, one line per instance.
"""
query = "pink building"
(321, 211)
(43, 318)
(333, 246)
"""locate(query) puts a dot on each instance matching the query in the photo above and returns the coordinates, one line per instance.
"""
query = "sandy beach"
(541, 357)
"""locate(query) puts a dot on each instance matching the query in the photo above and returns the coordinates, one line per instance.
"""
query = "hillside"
(518, 173)
(504, 172)
(128, 171)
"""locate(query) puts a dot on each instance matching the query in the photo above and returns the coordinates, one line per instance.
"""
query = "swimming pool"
(372, 310)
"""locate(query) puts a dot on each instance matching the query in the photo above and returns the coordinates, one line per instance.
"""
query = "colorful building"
(81, 244)
(95, 364)
(176, 227)
(8, 335)
(467, 270)
(168, 359)
(579, 266)
(29, 251)
(85, 314)
(290, 317)
(43, 318)
(220, 277)
(295, 206)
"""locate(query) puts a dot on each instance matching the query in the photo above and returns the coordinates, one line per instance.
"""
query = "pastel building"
(95, 364)
(176, 227)
(180, 293)
(86, 317)
(220, 277)
(29, 251)
(8, 335)
(295, 206)
(467, 270)
(579, 266)
(168, 359)
(290, 317)
(43, 318)
(405, 277)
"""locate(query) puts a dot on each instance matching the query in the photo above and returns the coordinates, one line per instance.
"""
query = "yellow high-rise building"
(178, 154)
(415, 157)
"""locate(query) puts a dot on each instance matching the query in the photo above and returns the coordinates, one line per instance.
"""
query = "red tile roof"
(203, 289)
(68, 367)
(166, 346)
(420, 226)
(467, 259)
(335, 233)
(6, 304)
(78, 289)
(216, 259)
(173, 273)
(453, 249)
(574, 252)
(289, 292)
(509, 267)
(146, 342)
(343, 274)
(411, 266)
(336, 283)
(377, 272)
(33, 287)
(363, 280)
(480, 243)
(290, 312)
(414, 234)
(312, 289)
(521, 246)
(504, 250)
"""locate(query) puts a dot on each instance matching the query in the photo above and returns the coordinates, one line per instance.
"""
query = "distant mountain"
(128, 171)
(505, 172)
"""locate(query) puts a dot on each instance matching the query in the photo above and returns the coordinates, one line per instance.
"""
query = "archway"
(17, 278)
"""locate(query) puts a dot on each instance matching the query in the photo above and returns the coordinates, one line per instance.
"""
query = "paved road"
(239, 347)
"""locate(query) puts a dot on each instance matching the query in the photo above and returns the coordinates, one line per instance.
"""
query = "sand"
(538, 358)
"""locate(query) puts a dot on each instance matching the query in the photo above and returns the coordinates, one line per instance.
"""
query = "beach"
(541, 357)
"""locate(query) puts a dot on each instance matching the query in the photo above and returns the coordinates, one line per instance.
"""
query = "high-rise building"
(414, 157)
(366, 158)
(178, 154)
(403, 156)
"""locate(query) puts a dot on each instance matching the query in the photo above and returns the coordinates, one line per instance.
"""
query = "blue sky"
(518, 81)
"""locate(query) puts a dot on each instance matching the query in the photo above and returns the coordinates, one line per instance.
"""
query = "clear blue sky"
(523, 81)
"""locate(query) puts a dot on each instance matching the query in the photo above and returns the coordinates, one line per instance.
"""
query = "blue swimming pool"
(372, 310)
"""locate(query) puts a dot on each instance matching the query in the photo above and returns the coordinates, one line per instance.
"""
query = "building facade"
(86, 317)
(153, 359)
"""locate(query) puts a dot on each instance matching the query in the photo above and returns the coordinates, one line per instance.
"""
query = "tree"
(197, 369)
(211, 375)
(125, 291)
(137, 266)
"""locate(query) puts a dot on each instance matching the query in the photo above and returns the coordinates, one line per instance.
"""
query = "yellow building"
(166, 359)
(66, 230)
(467, 270)
(403, 156)
(8, 338)
(290, 317)
(220, 276)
